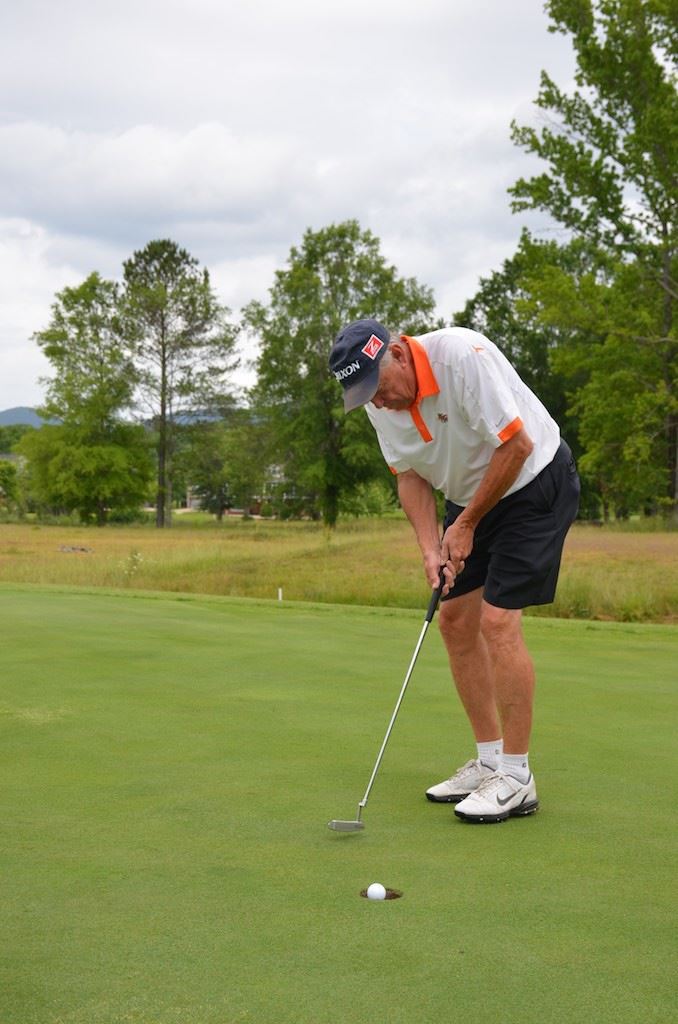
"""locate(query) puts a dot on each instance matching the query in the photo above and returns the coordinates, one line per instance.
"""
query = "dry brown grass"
(606, 574)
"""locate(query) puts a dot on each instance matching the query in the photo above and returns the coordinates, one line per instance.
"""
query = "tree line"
(141, 400)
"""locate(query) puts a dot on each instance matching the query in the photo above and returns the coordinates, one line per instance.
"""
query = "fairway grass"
(169, 765)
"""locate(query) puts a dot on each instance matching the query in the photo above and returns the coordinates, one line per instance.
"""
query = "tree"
(519, 308)
(208, 472)
(8, 484)
(612, 151)
(182, 345)
(374, 498)
(615, 388)
(69, 471)
(11, 435)
(501, 312)
(89, 460)
(338, 274)
(225, 464)
(93, 371)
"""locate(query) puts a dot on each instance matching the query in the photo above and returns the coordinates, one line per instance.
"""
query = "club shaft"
(394, 715)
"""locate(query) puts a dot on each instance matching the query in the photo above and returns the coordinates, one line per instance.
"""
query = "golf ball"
(376, 891)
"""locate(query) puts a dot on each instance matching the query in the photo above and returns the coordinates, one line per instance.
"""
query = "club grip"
(435, 597)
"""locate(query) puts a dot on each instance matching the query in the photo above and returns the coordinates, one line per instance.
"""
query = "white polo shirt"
(470, 401)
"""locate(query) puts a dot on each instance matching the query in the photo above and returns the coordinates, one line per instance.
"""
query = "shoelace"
(465, 770)
(492, 783)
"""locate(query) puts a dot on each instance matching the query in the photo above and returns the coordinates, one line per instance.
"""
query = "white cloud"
(27, 280)
(233, 126)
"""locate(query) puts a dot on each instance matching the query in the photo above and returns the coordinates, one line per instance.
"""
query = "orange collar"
(427, 385)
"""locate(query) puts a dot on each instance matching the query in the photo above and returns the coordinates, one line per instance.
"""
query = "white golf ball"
(376, 891)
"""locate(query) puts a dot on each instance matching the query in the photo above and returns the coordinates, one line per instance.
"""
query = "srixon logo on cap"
(373, 347)
(348, 370)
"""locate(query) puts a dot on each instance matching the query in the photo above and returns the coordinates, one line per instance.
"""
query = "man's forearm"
(419, 505)
(502, 471)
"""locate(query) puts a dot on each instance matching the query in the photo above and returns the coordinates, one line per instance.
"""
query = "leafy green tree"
(89, 460)
(225, 465)
(11, 435)
(510, 307)
(182, 345)
(8, 485)
(374, 498)
(67, 470)
(611, 147)
(93, 372)
(617, 392)
(338, 274)
(501, 310)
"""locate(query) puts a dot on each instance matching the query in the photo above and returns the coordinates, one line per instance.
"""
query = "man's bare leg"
(513, 674)
(470, 662)
(492, 669)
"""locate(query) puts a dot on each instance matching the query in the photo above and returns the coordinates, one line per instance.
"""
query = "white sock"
(490, 753)
(516, 765)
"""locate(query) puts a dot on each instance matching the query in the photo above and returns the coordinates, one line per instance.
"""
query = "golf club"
(355, 826)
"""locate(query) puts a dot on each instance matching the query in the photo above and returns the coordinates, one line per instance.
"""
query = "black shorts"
(518, 545)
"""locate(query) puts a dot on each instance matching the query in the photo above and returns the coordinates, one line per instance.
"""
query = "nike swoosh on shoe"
(502, 803)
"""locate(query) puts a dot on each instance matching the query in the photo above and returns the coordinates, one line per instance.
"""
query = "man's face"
(397, 380)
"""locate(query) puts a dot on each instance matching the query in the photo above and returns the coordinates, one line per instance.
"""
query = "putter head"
(345, 826)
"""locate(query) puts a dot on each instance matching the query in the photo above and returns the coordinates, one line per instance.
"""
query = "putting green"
(169, 766)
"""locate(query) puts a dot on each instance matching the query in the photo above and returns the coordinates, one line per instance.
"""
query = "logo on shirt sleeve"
(372, 347)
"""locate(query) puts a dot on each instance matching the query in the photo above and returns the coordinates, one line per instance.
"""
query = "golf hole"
(391, 894)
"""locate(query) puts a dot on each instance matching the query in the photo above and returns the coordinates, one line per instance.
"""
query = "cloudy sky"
(231, 126)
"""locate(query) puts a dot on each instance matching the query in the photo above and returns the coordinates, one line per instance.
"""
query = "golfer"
(451, 413)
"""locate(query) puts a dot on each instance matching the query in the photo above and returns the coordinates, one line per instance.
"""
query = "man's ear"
(398, 351)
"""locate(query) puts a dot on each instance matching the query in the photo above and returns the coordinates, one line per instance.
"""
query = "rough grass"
(607, 574)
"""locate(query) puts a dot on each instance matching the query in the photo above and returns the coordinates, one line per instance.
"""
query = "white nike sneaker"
(464, 781)
(497, 798)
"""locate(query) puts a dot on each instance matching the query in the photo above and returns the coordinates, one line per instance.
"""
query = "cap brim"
(362, 392)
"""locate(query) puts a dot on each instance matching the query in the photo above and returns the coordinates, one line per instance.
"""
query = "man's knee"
(459, 623)
(501, 627)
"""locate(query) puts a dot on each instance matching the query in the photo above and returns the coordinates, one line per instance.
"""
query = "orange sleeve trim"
(394, 471)
(508, 432)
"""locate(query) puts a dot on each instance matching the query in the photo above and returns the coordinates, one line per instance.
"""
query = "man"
(452, 414)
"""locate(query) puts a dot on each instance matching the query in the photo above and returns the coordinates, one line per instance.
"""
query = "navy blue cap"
(354, 360)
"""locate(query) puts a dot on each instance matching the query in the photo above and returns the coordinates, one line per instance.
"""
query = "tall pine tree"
(182, 344)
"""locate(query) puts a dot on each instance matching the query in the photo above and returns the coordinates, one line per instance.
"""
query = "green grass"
(169, 765)
(606, 574)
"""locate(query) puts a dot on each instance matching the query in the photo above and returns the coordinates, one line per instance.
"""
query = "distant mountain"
(20, 414)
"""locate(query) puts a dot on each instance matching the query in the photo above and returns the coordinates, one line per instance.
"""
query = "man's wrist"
(432, 555)
(466, 520)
